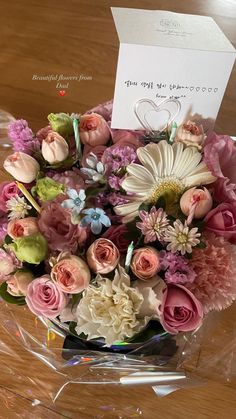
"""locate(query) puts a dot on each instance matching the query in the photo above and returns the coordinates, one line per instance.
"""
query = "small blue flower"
(96, 217)
(76, 202)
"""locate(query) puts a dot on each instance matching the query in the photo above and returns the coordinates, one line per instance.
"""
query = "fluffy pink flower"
(44, 298)
(71, 179)
(7, 191)
(220, 157)
(215, 266)
(55, 224)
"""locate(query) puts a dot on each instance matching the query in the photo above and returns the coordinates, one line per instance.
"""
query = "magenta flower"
(8, 190)
(222, 221)
(22, 137)
(220, 157)
(153, 224)
(115, 158)
(178, 270)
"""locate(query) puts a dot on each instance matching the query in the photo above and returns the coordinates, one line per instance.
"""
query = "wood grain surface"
(78, 37)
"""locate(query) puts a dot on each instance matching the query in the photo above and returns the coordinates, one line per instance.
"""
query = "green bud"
(31, 249)
(47, 189)
(61, 123)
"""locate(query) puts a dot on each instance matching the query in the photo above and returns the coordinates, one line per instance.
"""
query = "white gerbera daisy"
(166, 170)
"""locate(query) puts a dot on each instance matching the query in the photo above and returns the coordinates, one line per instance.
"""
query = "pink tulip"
(54, 148)
(93, 130)
(22, 167)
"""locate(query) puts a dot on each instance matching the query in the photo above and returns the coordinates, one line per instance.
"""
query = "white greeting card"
(171, 66)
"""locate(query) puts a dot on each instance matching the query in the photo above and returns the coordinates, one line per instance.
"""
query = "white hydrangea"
(110, 309)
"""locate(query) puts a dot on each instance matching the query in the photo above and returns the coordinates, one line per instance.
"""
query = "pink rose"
(220, 157)
(55, 224)
(44, 298)
(3, 228)
(22, 228)
(22, 167)
(190, 134)
(116, 234)
(222, 221)
(93, 130)
(145, 263)
(98, 151)
(17, 283)
(54, 148)
(7, 191)
(71, 274)
(102, 256)
(180, 310)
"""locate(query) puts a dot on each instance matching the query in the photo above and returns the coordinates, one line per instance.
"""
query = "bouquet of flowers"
(118, 234)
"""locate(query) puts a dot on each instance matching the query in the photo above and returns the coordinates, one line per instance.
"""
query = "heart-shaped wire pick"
(153, 107)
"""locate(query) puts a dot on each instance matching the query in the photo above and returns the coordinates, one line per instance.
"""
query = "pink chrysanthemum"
(215, 266)
(153, 225)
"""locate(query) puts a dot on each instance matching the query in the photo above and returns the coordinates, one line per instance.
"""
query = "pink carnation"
(220, 157)
(55, 224)
(215, 266)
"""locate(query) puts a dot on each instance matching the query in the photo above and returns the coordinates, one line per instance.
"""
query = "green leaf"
(201, 245)
(20, 301)
(72, 330)
(154, 328)
(8, 240)
(144, 207)
(76, 298)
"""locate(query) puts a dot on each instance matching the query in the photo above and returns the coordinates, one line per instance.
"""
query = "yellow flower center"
(169, 187)
(182, 238)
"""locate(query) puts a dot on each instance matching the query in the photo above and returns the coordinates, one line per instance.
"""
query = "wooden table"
(79, 38)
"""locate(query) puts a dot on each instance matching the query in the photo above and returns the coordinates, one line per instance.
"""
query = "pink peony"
(220, 157)
(44, 298)
(215, 266)
(116, 233)
(145, 263)
(102, 256)
(22, 228)
(180, 310)
(7, 191)
(71, 274)
(55, 224)
(222, 221)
